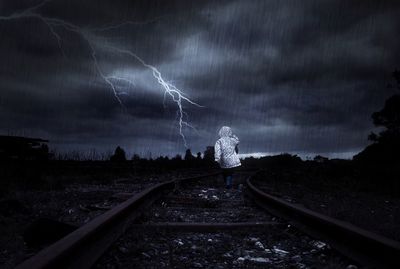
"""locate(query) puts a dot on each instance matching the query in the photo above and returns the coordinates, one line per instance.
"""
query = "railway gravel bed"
(379, 213)
(74, 204)
(277, 245)
(273, 248)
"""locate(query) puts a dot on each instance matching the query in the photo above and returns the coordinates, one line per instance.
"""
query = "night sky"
(288, 76)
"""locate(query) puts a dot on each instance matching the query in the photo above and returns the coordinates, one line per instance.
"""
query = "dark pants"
(227, 173)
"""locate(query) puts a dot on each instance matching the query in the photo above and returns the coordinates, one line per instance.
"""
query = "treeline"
(385, 147)
(207, 156)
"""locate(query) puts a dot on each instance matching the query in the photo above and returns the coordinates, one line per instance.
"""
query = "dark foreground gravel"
(374, 211)
(74, 204)
(272, 248)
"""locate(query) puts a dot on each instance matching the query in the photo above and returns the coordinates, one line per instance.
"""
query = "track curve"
(196, 210)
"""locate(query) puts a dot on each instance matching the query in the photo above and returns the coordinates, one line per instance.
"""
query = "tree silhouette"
(320, 159)
(209, 154)
(388, 117)
(135, 157)
(177, 157)
(188, 155)
(386, 146)
(119, 155)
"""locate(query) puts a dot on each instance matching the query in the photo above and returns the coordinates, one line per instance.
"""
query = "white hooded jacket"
(225, 153)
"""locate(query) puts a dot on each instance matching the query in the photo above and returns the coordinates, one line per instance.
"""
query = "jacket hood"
(225, 131)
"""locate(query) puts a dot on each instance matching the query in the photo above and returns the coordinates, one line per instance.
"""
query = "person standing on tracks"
(226, 154)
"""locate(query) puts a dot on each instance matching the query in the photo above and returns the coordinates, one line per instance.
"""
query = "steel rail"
(363, 246)
(82, 248)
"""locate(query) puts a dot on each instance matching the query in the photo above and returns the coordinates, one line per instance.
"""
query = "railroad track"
(195, 222)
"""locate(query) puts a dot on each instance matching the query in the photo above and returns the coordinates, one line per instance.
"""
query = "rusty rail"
(367, 248)
(81, 248)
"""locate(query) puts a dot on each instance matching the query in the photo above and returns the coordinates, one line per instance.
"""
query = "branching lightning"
(176, 95)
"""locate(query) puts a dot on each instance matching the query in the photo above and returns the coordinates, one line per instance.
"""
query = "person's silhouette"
(226, 153)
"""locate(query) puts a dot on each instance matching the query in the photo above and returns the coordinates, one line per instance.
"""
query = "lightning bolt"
(176, 95)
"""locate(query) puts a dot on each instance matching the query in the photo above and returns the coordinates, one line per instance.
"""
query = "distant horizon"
(348, 155)
(147, 155)
(304, 155)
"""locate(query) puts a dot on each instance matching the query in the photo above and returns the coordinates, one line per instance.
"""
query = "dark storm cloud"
(286, 75)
